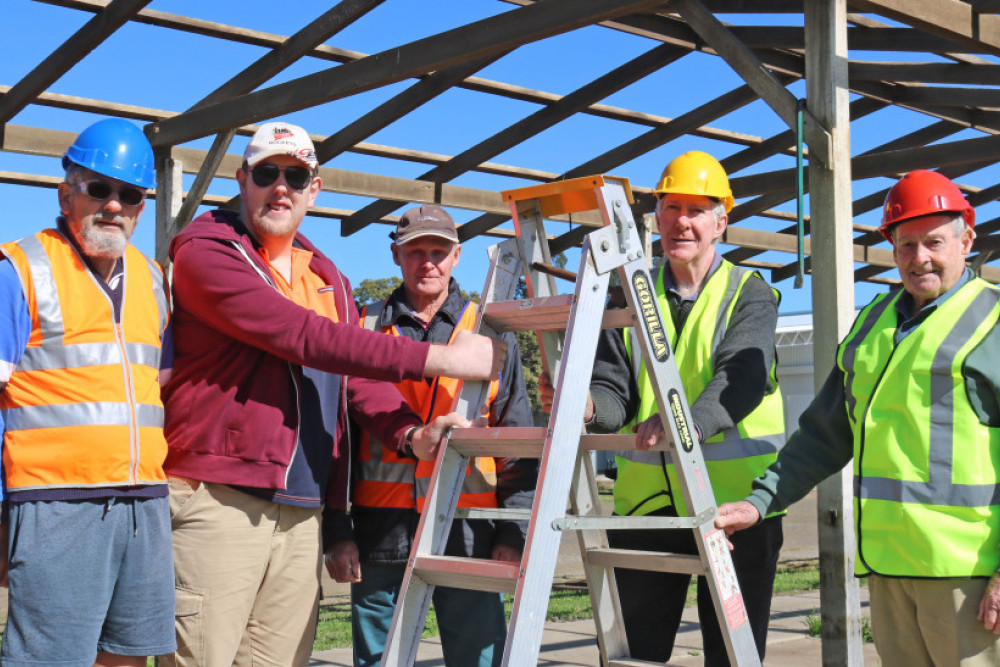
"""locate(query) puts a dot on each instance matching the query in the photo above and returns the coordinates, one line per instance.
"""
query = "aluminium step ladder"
(566, 475)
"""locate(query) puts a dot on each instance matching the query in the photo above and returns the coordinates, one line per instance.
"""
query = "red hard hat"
(923, 192)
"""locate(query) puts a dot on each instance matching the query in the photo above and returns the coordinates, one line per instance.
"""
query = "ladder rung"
(614, 522)
(541, 314)
(510, 441)
(632, 662)
(526, 442)
(476, 574)
(549, 313)
(651, 561)
(618, 442)
(495, 513)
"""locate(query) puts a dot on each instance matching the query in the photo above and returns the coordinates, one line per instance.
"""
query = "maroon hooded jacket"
(231, 404)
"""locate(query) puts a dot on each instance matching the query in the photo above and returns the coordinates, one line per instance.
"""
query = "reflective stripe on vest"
(82, 407)
(387, 480)
(734, 457)
(927, 488)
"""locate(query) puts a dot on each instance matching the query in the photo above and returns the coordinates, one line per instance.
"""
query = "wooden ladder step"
(550, 313)
(527, 441)
(478, 574)
(650, 561)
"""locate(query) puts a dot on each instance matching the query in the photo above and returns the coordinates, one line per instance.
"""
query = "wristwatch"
(406, 449)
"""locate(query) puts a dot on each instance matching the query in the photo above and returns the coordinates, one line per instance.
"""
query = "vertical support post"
(645, 228)
(833, 310)
(169, 196)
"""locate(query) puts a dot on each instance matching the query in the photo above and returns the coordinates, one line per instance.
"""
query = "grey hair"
(74, 173)
(719, 210)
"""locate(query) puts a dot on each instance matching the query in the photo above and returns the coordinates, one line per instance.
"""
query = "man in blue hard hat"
(85, 533)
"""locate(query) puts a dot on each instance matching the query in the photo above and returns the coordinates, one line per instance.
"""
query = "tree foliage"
(531, 358)
(371, 290)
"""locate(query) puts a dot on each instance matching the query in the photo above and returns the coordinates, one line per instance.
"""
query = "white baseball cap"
(280, 139)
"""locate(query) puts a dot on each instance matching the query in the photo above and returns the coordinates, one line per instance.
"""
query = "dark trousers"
(472, 624)
(652, 602)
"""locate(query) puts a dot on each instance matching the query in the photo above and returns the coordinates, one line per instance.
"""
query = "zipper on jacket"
(133, 417)
(291, 369)
(342, 409)
(298, 421)
(129, 386)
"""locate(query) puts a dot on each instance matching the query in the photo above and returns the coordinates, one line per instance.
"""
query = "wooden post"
(647, 223)
(169, 195)
(833, 311)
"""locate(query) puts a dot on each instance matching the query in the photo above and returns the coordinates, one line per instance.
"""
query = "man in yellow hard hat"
(721, 324)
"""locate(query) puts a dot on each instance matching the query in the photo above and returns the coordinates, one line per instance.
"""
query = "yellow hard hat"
(696, 173)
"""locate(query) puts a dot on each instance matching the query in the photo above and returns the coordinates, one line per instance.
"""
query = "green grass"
(333, 630)
(568, 602)
(815, 625)
(797, 576)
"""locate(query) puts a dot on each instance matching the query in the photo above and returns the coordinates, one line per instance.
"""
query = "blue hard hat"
(117, 148)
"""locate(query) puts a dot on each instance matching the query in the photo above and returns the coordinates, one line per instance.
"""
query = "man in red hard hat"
(914, 399)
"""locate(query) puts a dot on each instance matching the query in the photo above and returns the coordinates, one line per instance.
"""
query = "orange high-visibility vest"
(82, 408)
(384, 479)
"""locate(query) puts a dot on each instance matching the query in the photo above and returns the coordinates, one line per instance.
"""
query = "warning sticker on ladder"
(729, 587)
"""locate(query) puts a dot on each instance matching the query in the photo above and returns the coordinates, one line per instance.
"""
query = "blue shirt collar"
(671, 286)
(909, 320)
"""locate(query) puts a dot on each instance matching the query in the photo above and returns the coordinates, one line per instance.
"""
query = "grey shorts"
(88, 576)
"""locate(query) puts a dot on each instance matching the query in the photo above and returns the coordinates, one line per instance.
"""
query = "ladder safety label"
(650, 315)
(725, 578)
(677, 412)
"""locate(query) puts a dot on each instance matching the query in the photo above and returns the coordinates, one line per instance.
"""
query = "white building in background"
(794, 341)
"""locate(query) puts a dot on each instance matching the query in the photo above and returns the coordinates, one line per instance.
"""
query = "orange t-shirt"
(305, 288)
(309, 291)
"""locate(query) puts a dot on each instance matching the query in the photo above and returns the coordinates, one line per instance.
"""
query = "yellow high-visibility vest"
(927, 471)
(734, 458)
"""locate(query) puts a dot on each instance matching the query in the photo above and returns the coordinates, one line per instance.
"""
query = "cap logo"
(282, 132)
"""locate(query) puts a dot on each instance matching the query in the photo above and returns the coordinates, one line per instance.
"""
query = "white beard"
(103, 244)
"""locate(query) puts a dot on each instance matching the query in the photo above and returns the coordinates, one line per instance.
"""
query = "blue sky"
(166, 69)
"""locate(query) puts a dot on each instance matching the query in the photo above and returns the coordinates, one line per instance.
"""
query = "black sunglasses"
(102, 190)
(265, 174)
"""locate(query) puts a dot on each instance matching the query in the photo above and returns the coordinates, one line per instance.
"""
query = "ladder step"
(651, 561)
(618, 442)
(615, 522)
(632, 662)
(476, 574)
(495, 513)
(550, 313)
(526, 442)
(512, 441)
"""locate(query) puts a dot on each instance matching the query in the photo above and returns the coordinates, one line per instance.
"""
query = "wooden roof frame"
(958, 89)
(768, 58)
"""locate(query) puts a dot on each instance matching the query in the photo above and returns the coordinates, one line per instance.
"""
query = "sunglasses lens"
(297, 177)
(265, 174)
(99, 190)
(130, 196)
